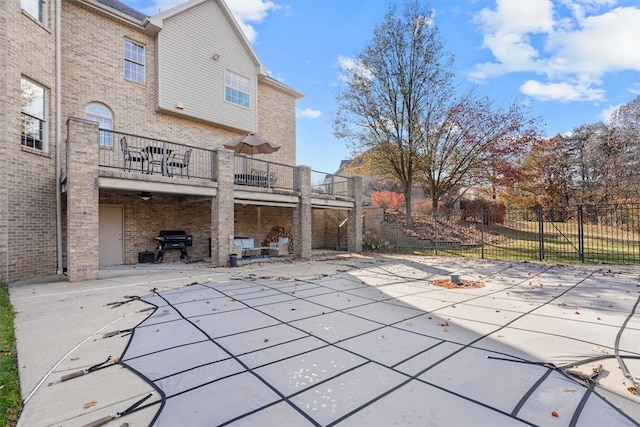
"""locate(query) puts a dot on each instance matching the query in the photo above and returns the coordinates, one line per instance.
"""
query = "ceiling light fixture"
(145, 195)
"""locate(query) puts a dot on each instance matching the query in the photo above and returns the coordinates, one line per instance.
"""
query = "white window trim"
(43, 120)
(141, 64)
(43, 5)
(106, 139)
(248, 93)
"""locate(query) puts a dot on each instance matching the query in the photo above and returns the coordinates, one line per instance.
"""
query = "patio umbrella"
(251, 143)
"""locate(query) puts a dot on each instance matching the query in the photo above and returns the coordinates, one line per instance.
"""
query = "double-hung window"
(133, 61)
(33, 103)
(34, 8)
(236, 89)
(102, 114)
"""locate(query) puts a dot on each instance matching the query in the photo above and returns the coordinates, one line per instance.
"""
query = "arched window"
(102, 114)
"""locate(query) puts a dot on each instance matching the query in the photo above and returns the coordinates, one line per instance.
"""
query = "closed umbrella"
(251, 143)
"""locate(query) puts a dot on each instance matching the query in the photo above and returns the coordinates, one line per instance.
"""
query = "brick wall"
(257, 221)
(143, 220)
(27, 191)
(277, 123)
(82, 201)
(302, 218)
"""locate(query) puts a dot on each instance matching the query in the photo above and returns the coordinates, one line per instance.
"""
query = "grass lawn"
(10, 400)
(519, 240)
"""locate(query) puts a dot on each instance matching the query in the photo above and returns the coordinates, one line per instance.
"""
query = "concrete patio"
(346, 340)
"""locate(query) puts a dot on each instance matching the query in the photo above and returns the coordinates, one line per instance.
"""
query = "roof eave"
(270, 81)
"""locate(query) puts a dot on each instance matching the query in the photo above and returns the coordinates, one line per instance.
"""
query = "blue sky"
(571, 61)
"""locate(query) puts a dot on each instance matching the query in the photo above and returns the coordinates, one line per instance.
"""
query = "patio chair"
(279, 248)
(132, 154)
(177, 160)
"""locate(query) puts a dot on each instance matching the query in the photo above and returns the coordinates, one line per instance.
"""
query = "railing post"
(580, 234)
(214, 162)
(540, 234)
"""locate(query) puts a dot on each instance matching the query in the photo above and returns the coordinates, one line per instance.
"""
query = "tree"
(625, 126)
(594, 153)
(547, 176)
(394, 89)
(388, 200)
(474, 143)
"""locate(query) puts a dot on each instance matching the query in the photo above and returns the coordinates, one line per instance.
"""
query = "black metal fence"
(585, 233)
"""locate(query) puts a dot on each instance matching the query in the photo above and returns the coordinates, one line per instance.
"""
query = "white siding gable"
(195, 48)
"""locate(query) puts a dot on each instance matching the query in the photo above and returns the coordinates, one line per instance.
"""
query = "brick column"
(354, 224)
(82, 199)
(222, 210)
(302, 213)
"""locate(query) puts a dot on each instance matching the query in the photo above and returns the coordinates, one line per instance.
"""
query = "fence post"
(435, 232)
(540, 234)
(482, 233)
(580, 234)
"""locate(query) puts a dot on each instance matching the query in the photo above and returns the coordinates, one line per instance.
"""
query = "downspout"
(58, 132)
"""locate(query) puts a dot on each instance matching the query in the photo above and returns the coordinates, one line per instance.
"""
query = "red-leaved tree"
(388, 200)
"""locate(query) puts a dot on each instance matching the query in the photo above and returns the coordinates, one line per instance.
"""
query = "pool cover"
(385, 346)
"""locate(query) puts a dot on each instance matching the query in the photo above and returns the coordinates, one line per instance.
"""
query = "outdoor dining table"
(164, 154)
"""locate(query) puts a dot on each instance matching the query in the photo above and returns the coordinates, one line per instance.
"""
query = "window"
(133, 61)
(34, 8)
(33, 128)
(236, 89)
(102, 114)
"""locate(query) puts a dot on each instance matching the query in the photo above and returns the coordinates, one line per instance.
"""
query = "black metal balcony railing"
(133, 153)
(325, 183)
(260, 173)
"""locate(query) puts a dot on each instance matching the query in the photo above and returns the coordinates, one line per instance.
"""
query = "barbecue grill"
(173, 239)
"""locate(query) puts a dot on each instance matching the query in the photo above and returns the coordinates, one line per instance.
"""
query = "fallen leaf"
(266, 340)
(570, 390)
(381, 337)
(89, 404)
(74, 358)
(554, 414)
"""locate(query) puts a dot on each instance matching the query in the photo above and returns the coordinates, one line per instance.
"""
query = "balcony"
(135, 157)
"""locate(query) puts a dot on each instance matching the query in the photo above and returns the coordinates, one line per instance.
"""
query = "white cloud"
(607, 114)
(349, 66)
(308, 113)
(251, 11)
(246, 12)
(571, 42)
(563, 91)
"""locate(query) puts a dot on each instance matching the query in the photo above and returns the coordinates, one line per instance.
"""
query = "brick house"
(175, 87)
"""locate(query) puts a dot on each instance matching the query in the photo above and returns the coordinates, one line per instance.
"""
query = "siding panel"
(187, 70)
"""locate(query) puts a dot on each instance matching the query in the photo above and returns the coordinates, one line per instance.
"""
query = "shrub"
(372, 242)
(424, 207)
(487, 211)
(388, 200)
